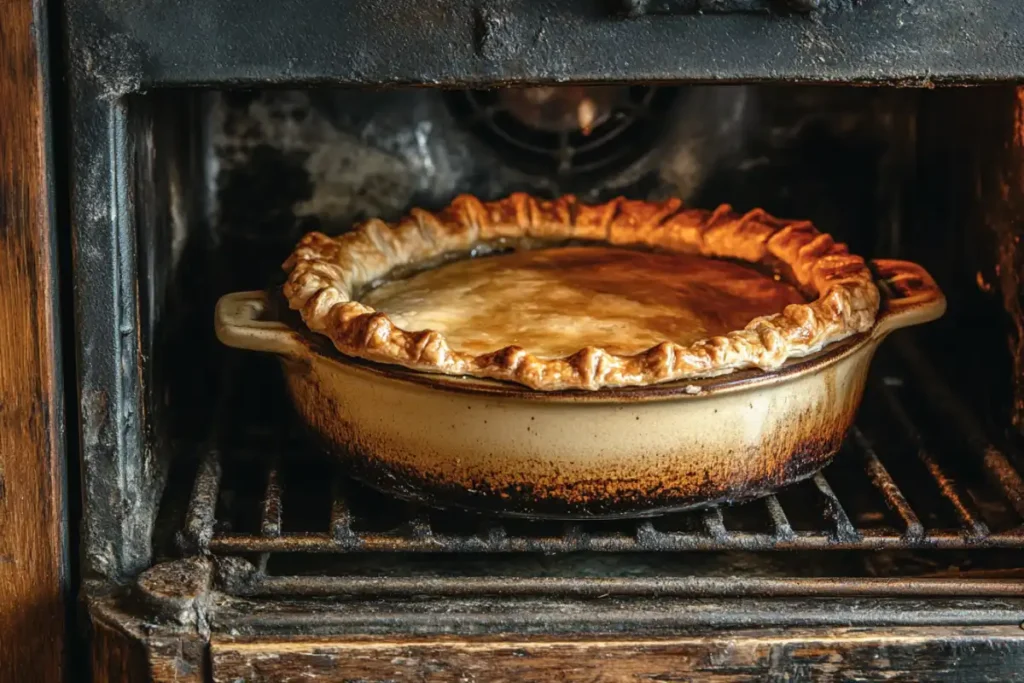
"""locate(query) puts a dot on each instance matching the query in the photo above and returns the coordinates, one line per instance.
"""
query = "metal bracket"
(178, 592)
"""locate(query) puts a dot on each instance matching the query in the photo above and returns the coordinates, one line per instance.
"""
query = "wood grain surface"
(116, 656)
(130, 649)
(899, 654)
(32, 594)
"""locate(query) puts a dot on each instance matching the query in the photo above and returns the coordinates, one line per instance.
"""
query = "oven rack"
(981, 505)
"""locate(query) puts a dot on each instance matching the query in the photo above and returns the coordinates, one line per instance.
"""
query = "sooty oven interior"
(926, 491)
(208, 515)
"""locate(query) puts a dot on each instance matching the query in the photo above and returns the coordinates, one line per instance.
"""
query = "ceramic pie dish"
(555, 359)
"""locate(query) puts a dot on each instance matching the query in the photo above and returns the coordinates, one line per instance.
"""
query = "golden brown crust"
(325, 274)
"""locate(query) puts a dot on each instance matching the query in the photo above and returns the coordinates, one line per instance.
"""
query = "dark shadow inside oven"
(226, 183)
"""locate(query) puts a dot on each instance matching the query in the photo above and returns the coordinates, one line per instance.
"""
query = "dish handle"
(238, 322)
(912, 297)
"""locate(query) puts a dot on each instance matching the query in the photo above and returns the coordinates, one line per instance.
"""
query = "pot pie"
(561, 295)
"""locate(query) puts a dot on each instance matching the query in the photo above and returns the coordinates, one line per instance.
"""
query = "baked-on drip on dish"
(564, 295)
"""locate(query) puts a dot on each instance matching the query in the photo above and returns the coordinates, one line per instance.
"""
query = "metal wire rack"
(917, 472)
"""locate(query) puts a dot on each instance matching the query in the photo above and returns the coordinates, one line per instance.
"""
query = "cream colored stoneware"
(600, 454)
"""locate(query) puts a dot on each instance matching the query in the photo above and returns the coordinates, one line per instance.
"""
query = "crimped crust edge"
(325, 275)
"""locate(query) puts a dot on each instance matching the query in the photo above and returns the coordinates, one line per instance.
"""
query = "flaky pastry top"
(327, 276)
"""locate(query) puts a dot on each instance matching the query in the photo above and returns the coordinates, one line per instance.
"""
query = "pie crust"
(327, 277)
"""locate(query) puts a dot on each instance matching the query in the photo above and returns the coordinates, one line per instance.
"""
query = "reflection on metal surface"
(582, 135)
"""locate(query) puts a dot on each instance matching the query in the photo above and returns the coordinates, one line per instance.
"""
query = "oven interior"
(927, 485)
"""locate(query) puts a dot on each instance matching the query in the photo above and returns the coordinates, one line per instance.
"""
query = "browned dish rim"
(326, 275)
(678, 390)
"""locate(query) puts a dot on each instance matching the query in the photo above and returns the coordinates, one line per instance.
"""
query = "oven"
(217, 544)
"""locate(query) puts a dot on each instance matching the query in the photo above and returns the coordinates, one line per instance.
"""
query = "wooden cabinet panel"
(907, 654)
(32, 525)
